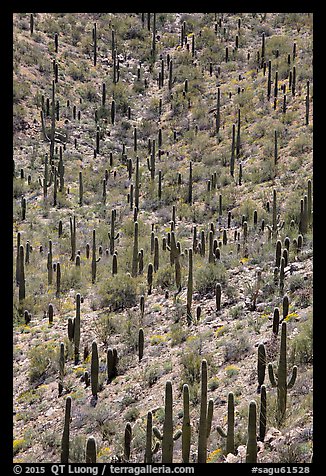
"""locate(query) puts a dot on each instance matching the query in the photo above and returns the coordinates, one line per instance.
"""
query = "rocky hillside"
(162, 237)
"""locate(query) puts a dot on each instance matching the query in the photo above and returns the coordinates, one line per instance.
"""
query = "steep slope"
(219, 110)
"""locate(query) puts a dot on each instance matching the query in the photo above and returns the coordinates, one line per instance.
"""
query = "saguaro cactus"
(50, 268)
(18, 259)
(31, 24)
(137, 184)
(202, 434)
(156, 254)
(112, 362)
(232, 151)
(73, 237)
(113, 112)
(229, 434)
(94, 45)
(167, 436)
(94, 258)
(94, 369)
(21, 279)
(262, 413)
(149, 451)
(91, 450)
(251, 454)
(50, 313)
(281, 381)
(140, 344)
(190, 284)
(76, 332)
(135, 252)
(218, 293)
(61, 367)
(66, 431)
(115, 263)
(151, 162)
(278, 251)
(81, 188)
(218, 112)
(127, 442)
(150, 278)
(261, 367)
(186, 427)
(111, 234)
(189, 198)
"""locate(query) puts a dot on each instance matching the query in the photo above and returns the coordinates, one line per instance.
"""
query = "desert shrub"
(277, 42)
(302, 344)
(88, 92)
(191, 363)
(206, 277)
(213, 384)
(77, 449)
(21, 90)
(164, 277)
(129, 330)
(236, 311)
(79, 71)
(236, 348)
(119, 292)
(293, 452)
(152, 374)
(43, 360)
(192, 357)
(131, 414)
(302, 144)
(232, 370)
(179, 333)
(104, 327)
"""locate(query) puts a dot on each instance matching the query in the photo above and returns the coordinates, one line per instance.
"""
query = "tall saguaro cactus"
(22, 291)
(151, 161)
(61, 367)
(127, 442)
(66, 432)
(140, 343)
(190, 284)
(134, 269)
(262, 413)
(281, 381)
(94, 45)
(149, 451)
(167, 436)
(261, 367)
(94, 258)
(111, 234)
(18, 259)
(94, 369)
(186, 426)
(202, 435)
(76, 333)
(73, 237)
(189, 198)
(229, 434)
(251, 454)
(232, 151)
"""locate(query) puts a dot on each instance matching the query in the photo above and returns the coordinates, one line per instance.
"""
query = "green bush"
(206, 277)
(302, 344)
(164, 277)
(43, 360)
(119, 292)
